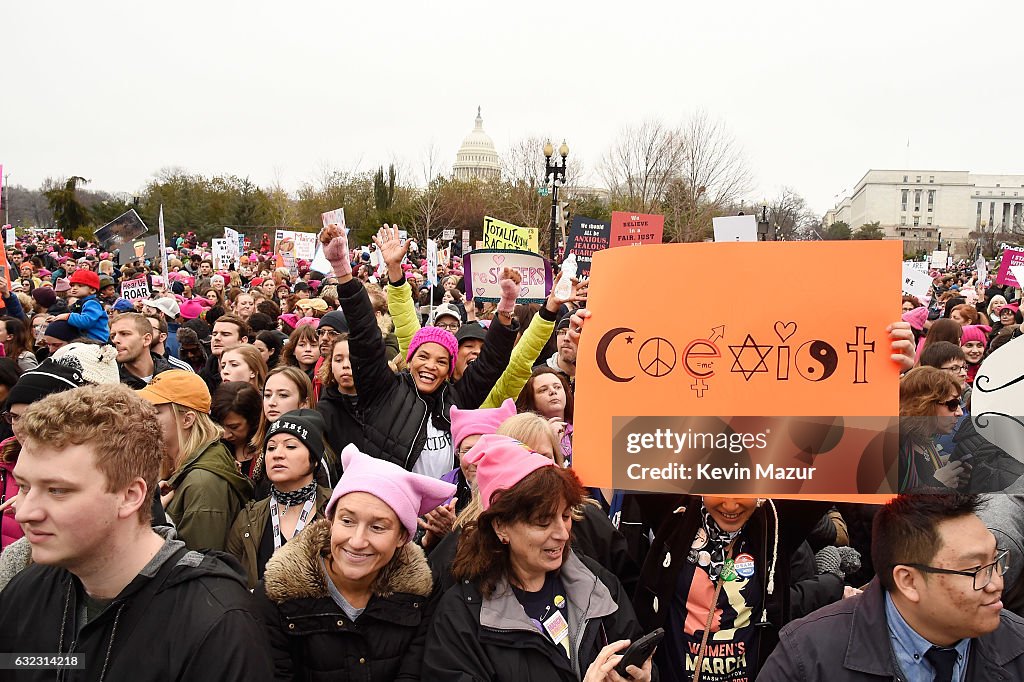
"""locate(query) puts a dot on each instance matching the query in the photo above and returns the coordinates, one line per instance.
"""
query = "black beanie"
(307, 426)
(334, 320)
(47, 378)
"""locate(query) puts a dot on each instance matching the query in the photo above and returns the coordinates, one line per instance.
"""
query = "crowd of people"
(267, 472)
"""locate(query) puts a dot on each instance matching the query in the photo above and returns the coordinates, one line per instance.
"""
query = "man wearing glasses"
(934, 611)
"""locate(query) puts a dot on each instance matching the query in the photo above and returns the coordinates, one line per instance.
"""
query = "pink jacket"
(10, 530)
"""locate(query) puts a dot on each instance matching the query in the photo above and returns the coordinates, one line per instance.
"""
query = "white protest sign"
(483, 269)
(135, 288)
(320, 262)
(335, 217)
(235, 244)
(939, 259)
(221, 253)
(432, 262)
(915, 282)
(1018, 272)
(735, 228)
(448, 234)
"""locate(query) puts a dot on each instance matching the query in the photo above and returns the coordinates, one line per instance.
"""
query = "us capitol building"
(477, 158)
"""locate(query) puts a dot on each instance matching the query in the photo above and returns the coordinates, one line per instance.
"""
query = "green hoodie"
(208, 494)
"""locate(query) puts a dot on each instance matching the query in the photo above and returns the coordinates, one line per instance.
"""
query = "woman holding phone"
(526, 608)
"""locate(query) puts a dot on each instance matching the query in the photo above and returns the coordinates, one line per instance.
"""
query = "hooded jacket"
(394, 411)
(208, 494)
(187, 617)
(476, 638)
(849, 641)
(247, 531)
(311, 637)
(88, 317)
(131, 381)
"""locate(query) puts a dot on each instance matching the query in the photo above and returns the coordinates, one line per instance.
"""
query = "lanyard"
(276, 523)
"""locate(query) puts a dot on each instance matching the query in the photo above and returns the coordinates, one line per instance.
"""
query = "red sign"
(1005, 276)
(633, 229)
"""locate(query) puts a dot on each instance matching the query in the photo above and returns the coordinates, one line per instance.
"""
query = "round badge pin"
(704, 558)
(744, 565)
(700, 540)
(559, 601)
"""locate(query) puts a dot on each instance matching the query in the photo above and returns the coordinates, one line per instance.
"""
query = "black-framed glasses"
(957, 369)
(10, 417)
(981, 575)
(450, 326)
(953, 404)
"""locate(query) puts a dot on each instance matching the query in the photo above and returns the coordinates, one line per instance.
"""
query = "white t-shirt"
(436, 458)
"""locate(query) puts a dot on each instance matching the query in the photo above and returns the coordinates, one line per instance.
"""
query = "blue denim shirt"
(910, 648)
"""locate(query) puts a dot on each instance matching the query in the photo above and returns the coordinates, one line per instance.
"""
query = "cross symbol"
(860, 351)
(699, 386)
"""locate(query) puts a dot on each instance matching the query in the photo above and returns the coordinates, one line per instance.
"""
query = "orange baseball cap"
(180, 387)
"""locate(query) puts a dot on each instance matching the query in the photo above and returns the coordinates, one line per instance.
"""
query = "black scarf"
(293, 498)
(717, 541)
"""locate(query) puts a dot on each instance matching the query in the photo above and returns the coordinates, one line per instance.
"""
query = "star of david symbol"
(744, 357)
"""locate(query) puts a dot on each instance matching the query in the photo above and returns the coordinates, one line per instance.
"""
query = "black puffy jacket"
(394, 411)
(343, 423)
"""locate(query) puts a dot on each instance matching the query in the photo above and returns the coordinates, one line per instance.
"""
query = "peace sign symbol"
(657, 357)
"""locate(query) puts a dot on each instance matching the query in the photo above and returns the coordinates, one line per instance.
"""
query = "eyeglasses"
(981, 575)
(450, 326)
(953, 404)
(957, 369)
(329, 333)
(10, 417)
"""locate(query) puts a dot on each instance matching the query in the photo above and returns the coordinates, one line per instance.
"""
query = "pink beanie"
(409, 495)
(501, 462)
(975, 332)
(190, 309)
(916, 317)
(466, 423)
(311, 321)
(435, 335)
(290, 319)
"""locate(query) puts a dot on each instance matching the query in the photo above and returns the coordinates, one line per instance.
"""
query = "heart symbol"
(523, 291)
(498, 260)
(480, 291)
(785, 330)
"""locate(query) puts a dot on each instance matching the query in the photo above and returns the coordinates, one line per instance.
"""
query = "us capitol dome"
(477, 159)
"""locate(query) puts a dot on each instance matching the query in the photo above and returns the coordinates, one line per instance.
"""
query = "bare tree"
(428, 208)
(641, 164)
(713, 164)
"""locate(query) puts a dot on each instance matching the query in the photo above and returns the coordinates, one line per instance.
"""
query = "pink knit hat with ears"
(409, 495)
(916, 317)
(466, 423)
(435, 335)
(975, 332)
(501, 462)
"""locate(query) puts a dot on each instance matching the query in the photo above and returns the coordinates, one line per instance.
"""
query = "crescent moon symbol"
(602, 353)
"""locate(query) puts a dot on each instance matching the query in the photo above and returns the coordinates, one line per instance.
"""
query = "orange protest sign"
(780, 391)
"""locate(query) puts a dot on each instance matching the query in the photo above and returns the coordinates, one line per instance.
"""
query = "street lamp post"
(554, 172)
(762, 224)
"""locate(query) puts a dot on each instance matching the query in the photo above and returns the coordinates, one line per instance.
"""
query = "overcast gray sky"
(815, 92)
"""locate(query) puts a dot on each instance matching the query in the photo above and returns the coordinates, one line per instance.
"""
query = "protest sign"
(291, 246)
(501, 235)
(123, 228)
(982, 265)
(9, 235)
(915, 282)
(735, 228)
(1005, 275)
(134, 288)
(634, 229)
(916, 264)
(483, 269)
(432, 262)
(744, 400)
(221, 254)
(448, 234)
(235, 244)
(162, 242)
(466, 248)
(586, 236)
(940, 259)
(335, 217)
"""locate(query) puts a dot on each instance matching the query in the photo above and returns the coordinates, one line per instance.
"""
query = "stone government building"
(477, 158)
(918, 206)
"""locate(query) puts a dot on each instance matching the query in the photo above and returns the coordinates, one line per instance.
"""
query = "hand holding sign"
(335, 241)
(509, 284)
